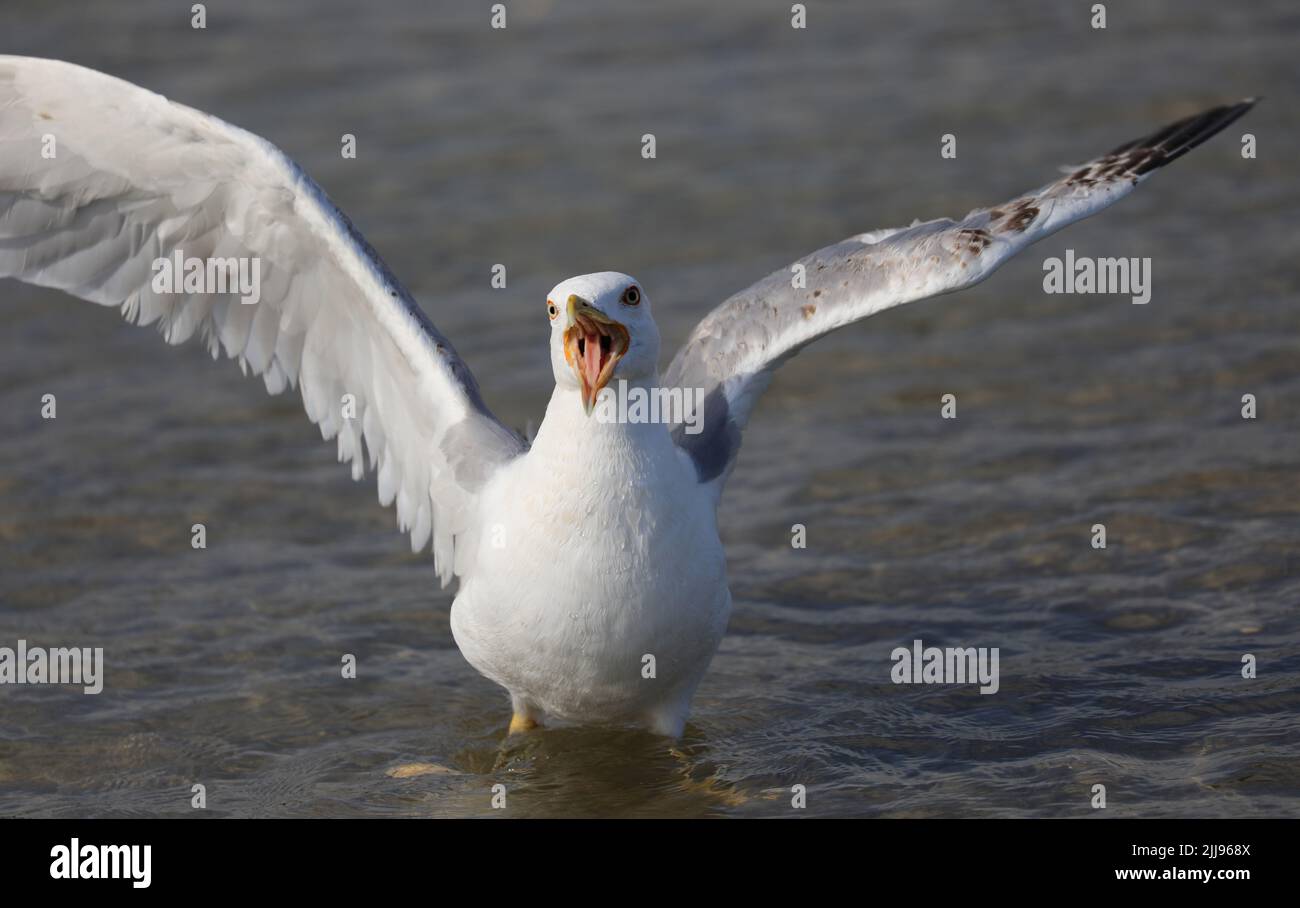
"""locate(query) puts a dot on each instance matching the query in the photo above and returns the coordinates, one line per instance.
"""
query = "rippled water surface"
(1119, 667)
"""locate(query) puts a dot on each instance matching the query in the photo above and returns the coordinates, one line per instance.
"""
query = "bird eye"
(552, 310)
(632, 296)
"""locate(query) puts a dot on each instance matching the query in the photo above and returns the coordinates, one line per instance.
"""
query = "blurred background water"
(522, 146)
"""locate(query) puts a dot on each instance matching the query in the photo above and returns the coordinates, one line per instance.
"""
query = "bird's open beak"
(593, 345)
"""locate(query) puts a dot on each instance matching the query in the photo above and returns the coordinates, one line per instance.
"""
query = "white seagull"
(580, 556)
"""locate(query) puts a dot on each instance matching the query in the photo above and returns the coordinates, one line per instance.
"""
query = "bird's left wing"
(732, 353)
(105, 186)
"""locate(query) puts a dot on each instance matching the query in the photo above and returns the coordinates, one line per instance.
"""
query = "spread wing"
(734, 351)
(100, 180)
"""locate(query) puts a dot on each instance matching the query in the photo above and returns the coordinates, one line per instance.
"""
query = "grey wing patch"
(714, 447)
(475, 448)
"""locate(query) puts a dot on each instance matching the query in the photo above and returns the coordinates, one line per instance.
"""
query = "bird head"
(601, 329)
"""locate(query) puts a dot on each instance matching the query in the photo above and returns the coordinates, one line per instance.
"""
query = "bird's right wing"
(731, 355)
(100, 181)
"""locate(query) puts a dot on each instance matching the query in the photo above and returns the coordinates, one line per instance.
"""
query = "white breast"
(599, 557)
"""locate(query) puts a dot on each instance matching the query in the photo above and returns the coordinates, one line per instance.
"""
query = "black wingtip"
(1175, 140)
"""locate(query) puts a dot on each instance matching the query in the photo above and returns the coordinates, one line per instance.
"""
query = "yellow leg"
(519, 722)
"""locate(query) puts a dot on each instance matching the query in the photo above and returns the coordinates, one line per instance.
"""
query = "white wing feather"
(734, 351)
(134, 177)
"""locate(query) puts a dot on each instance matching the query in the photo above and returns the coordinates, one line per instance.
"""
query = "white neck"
(570, 431)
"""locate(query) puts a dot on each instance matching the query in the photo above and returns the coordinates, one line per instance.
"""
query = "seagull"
(592, 581)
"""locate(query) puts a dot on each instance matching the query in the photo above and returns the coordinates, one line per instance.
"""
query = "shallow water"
(1118, 667)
